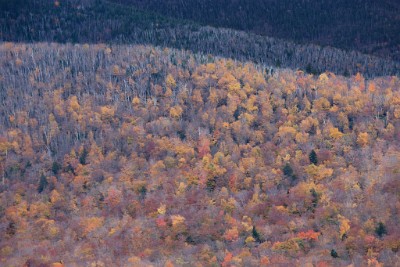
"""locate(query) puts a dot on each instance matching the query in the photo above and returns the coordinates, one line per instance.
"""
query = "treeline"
(369, 26)
(100, 21)
(137, 155)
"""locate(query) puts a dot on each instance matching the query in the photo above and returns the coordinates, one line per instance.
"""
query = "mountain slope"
(137, 156)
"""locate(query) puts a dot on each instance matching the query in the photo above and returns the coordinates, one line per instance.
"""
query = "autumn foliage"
(140, 156)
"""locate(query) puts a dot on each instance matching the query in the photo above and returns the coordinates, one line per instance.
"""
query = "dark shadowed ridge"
(368, 26)
(99, 21)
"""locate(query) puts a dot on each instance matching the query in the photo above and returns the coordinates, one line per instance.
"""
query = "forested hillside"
(144, 156)
(100, 21)
(369, 26)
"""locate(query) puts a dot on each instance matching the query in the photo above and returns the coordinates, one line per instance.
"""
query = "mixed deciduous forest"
(199, 133)
(133, 155)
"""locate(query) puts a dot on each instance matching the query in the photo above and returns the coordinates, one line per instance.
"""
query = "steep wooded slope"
(136, 155)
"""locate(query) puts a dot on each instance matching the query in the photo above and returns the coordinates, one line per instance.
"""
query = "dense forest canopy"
(199, 133)
(140, 155)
